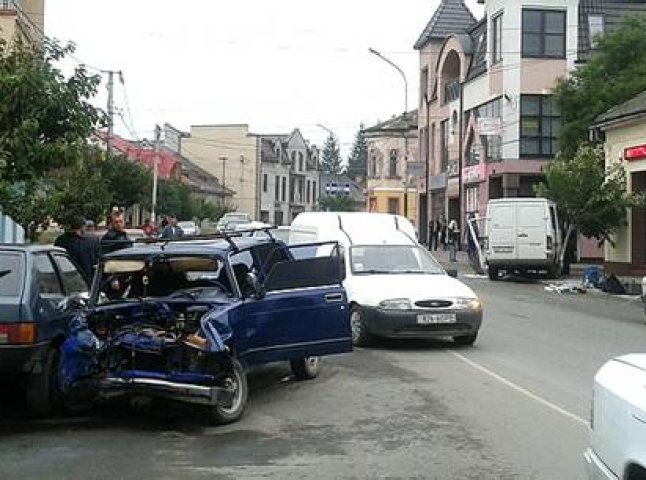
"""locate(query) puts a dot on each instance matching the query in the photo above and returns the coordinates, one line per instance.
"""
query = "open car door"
(303, 312)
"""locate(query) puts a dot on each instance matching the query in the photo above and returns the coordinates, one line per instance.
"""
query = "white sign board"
(489, 126)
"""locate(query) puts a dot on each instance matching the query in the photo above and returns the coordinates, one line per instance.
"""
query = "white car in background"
(189, 227)
(230, 221)
(618, 441)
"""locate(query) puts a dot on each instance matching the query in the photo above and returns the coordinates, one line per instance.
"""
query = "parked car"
(396, 289)
(229, 221)
(35, 282)
(184, 320)
(189, 227)
(522, 234)
(617, 448)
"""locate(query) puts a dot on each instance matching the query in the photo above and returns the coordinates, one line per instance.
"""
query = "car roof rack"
(227, 236)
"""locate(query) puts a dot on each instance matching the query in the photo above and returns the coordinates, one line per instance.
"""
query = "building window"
(294, 159)
(423, 82)
(595, 28)
(264, 183)
(472, 199)
(277, 189)
(264, 216)
(300, 161)
(309, 187)
(392, 163)
(444, 127)
(300, 189)
(314, 191)
(496, 33)
(491, 140)
(393, 206)
(291, 189)
(473, 152)
(451, 90)
(540, 125)
(284, 189)
(278, 217)
(544, 33)
(373, 167)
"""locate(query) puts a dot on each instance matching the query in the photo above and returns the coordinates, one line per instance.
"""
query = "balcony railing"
(27, 25)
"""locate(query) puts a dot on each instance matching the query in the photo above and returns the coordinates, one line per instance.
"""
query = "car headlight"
(471, 304)
(396, 304)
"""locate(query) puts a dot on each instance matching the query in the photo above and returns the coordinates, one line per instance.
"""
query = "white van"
(522, 234)
(395, 287)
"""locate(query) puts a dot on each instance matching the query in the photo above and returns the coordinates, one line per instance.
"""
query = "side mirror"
(254, 283)
(452, 273)
(75, 302)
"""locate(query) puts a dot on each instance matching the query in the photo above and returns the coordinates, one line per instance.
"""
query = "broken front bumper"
(158, 388)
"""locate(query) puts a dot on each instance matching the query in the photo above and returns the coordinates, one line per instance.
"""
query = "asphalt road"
(515, 406)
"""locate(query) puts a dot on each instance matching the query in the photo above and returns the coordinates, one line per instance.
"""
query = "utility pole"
(110, 110)
(224, 172)
(153, 212)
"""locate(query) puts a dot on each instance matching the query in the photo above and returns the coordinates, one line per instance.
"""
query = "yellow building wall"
(206, 147)
(378, 202)
(617, 140)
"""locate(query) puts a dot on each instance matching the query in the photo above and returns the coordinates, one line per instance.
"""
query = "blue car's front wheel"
(232, 410)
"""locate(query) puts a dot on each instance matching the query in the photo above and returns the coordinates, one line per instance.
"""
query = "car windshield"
(160, 276)
(393, 259)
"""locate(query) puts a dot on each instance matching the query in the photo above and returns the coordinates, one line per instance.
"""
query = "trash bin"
(591, 276)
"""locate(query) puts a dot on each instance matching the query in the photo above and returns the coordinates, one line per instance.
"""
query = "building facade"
(624, 128)
(229, 152)
(23, 19)
(393, 149)
(289, 177)
(341, 185)
(488, 125)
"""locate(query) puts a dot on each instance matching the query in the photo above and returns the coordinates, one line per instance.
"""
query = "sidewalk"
(462, 265)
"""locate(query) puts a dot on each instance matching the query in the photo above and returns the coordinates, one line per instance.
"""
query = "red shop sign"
(635, 153)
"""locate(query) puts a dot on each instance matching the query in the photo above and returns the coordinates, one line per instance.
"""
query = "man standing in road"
(115, 238)
(85, 251)
(172, 230)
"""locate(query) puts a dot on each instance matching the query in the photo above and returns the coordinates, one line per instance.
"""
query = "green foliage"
(358, 160)
(616, 73)
(129, 182)
(337, 203)
(590, 198)
(45, 121)
(331, 158)
(80, 189)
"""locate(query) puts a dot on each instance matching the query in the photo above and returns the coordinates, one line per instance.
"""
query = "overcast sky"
(273, 64)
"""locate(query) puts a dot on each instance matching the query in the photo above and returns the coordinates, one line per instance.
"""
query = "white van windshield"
(393, 259)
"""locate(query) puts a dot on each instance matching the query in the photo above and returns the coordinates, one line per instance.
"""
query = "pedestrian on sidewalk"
(431, 234)
(115, 238)
(453, 233)
(83, 250)
(443, 237)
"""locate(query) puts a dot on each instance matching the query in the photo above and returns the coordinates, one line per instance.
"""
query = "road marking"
(522, 390)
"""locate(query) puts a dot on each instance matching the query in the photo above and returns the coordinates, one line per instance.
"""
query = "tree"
(331, 160)
(615, 73)
(337, 203)
(80, 190)
(590, 199)
(129, 182)
(45, 121)
(358, 159)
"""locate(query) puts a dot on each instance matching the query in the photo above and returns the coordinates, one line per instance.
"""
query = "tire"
(360, 334)
(306, 368)
(494, 274)
(43, 395)
(224, 414)
(465, 340)
(554, 272)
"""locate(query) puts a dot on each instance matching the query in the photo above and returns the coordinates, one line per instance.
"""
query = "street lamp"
(401, 72)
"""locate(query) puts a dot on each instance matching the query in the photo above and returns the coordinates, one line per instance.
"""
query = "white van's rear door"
(531, 219)
(501, 232)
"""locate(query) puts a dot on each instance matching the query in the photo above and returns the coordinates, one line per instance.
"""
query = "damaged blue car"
(184, 320)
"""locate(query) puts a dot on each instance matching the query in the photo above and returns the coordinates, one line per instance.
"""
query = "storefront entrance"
(638, 221)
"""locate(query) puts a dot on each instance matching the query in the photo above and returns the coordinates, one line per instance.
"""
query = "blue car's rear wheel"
(231, 411)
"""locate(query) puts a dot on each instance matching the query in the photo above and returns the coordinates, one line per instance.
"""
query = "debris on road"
(565, 287)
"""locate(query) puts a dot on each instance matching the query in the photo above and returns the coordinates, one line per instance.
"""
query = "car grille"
(434, 303)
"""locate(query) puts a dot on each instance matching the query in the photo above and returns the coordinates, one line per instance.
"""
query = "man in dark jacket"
(85, 251)
(115, 238)
(172, 230)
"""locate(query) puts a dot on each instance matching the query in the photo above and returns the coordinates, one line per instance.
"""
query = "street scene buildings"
(183, 241)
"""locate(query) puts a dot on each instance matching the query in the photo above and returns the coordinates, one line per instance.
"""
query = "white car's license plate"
(431, 318)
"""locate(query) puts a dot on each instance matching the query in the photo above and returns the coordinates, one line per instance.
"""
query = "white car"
(229, 221)
(618, 441)
(189, 227)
